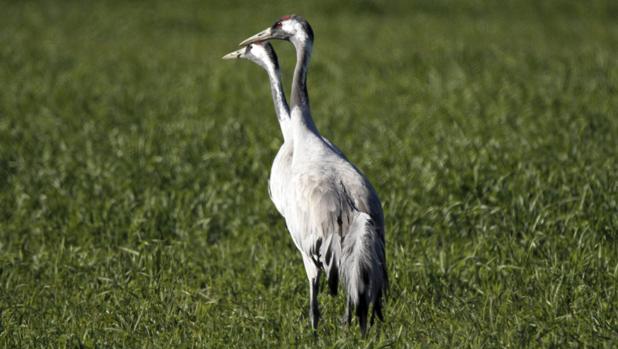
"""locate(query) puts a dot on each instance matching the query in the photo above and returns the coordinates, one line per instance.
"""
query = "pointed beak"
(234, 55)
(264, 35)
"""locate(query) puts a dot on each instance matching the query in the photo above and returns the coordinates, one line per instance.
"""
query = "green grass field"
(134, 209)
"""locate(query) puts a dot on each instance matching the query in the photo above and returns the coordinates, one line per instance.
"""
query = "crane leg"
(347, 316)
(313, 274)
(377, 309)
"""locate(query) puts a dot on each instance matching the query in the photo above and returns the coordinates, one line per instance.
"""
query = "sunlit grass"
(134, 163)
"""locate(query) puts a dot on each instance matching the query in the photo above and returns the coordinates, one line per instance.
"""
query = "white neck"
(301, 111)
(281, 105)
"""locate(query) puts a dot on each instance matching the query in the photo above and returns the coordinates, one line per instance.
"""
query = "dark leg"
(377, 309)
(314, 311)
(361, 312)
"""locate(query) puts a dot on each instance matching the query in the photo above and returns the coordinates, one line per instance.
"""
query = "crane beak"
(264, 35)
(234, 55)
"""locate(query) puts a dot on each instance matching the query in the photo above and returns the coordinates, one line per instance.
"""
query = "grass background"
(134, 162)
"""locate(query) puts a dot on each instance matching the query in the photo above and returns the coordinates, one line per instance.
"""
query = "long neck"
(281, 105)
(301, 112)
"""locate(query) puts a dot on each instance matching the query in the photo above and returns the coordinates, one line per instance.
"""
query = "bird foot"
(345, 320)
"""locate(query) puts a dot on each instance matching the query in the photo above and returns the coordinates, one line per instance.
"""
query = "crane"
(331, 210)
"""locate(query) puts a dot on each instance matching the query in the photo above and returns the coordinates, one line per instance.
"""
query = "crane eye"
(278, 25)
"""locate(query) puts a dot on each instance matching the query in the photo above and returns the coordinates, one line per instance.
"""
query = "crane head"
(260, 52)
(292, 28)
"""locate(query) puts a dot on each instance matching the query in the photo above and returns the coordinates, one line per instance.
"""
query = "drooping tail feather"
(331, 252)
(363, 267)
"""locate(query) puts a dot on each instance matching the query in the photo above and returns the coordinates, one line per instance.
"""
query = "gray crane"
(331, 210)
